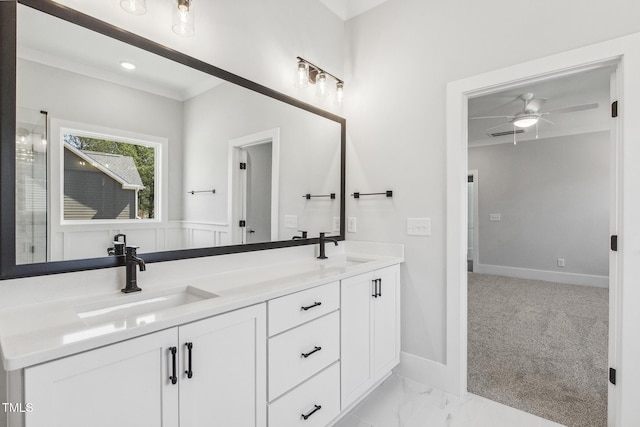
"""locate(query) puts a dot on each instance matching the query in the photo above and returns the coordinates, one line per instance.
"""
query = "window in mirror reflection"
(107, 179)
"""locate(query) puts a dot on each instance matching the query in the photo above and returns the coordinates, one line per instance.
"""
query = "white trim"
(424, 371)
(546, 275)
(623, 408)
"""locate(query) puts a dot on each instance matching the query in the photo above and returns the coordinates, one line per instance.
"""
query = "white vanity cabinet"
(304, 352)
(130, 383)
(370, 330)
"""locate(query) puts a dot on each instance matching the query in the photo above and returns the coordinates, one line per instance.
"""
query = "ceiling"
(583, 88)
(347, 9)
(82, 51)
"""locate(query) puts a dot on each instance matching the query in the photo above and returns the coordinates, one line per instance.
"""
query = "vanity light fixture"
(183, 19)
(136, 7)
(306, 73)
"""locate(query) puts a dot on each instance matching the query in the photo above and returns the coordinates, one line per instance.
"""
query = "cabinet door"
(227, 387)
(386, 323)
(356, 337)
(125, 384)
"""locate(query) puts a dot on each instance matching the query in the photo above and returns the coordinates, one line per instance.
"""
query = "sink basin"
(140, 308)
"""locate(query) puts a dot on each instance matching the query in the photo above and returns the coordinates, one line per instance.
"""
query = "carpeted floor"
(540, 347)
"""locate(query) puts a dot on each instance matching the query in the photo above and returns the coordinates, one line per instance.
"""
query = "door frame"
(235, 204)
(617, 52)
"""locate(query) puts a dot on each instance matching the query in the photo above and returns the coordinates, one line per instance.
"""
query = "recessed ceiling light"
(127, 65)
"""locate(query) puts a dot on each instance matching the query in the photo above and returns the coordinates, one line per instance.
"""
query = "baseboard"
(549, 276)
(427, 372)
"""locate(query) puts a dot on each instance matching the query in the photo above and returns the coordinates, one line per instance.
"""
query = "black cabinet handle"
(374, 285)
(174, 377)
(379, 287)
(315, 409)
(189, 372)
(315, 304)
(305, 355)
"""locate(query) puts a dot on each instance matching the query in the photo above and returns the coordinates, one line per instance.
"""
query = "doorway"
(458, 94)
(544, 224)
(254, 184)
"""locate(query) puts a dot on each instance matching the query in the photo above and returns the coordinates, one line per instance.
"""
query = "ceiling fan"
(531, 114)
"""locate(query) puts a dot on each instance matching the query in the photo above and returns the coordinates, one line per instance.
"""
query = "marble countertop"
(37, 333)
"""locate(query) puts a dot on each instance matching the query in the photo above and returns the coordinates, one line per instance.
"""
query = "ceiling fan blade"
(573, 108)
(496, 127)
(535, 104)
(491, 117)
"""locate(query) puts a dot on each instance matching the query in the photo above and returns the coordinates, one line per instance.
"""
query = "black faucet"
(303, 236)
(322, 241)
(118, 246)
(132, 262)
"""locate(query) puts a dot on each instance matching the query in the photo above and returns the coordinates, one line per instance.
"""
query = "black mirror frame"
(8, 50)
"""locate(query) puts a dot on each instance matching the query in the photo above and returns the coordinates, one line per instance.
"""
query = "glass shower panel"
(31, 186)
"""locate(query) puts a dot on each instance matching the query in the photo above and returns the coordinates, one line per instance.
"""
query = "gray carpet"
(540, 347)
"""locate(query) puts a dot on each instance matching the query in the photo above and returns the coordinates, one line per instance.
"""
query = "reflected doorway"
(253, 193)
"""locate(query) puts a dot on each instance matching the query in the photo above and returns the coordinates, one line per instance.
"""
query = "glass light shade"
(302, 75)
(339, 92)
(322, 88)
(137, 7)
(183, 18)
(525, 121)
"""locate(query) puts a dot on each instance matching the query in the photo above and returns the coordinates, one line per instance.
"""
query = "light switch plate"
(352, 224)
(291, 221)
(419, 226)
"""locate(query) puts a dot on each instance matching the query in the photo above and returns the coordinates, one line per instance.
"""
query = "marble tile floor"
(400, 402)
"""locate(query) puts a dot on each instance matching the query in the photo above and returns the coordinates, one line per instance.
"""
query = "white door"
(125, 385)
(227, 385)
(258, 193)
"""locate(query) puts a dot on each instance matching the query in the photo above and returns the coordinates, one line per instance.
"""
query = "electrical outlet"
(351, 224)
(419, 226)
(336, 224)
(291, 221)
(560, 262)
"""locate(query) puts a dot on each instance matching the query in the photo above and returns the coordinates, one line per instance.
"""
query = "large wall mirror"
(110, 133)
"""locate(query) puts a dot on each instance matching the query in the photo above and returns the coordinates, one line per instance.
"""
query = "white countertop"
(45, 331)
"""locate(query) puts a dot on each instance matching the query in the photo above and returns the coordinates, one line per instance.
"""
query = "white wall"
(399, 58)
(309, 160)
(553, 198)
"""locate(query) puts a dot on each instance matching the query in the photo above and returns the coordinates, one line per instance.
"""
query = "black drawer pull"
(174, 377)
(315, 409)
(379, 287)
(374, 284)
(315, 304)
(189, 372)
(305, 355)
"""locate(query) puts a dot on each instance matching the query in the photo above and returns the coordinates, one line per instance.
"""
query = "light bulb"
(302, 75)
(183, 19)
(137, 7)
(339, 92)
(321, 85)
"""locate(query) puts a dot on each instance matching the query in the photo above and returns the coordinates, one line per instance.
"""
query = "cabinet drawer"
(295, 309)
(287, 365)
(321, 391)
